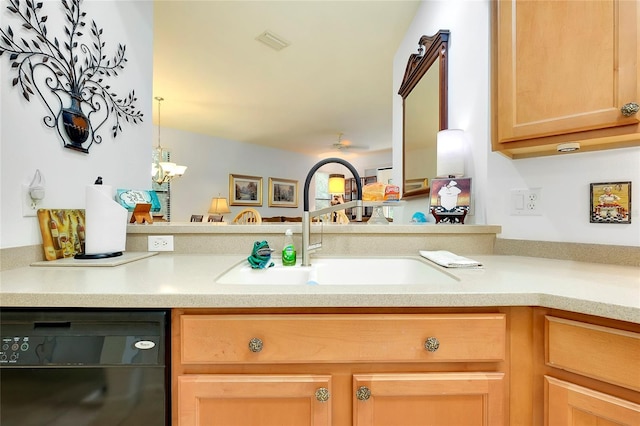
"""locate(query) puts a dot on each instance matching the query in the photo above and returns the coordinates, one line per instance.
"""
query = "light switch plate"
(526, 202)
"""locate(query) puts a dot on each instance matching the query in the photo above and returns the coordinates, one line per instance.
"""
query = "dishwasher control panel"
(12, 348)
(79, 350)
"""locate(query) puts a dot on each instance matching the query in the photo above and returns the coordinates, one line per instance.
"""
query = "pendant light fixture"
(163, 171)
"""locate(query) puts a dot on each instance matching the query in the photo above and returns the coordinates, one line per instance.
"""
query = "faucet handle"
(316, 246)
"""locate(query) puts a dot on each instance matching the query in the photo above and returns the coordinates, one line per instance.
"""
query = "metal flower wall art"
(69, 73)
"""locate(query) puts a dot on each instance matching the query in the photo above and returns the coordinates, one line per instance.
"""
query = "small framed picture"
(283, 192)
(245, 190)
(610, 202)
(450, 199)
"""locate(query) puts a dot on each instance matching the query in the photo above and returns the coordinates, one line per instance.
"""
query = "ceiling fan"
(341, 145)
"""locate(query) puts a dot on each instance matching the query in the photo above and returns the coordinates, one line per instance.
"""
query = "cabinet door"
(564, 66)
(567, 404)
(254, 400)
(456, 399)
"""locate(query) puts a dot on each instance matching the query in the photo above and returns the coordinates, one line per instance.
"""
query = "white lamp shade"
(451, 153)
(336, 184)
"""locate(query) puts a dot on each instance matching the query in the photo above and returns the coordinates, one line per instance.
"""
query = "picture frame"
(283, 192)
(610, 202)
(245, 190)
(450, 199)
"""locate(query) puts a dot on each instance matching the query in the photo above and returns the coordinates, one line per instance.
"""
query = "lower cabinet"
(349, 367)
(245, 399)
(378, 399)
(428, 399)
(569, 404)
(585, 364)
(339, 369)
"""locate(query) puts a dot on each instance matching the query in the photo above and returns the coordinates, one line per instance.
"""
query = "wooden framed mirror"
(424, 106)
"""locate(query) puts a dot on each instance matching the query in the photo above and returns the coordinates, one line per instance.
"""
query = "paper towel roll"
(106, 221)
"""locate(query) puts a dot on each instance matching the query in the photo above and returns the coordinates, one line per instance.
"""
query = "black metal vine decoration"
(72, 70)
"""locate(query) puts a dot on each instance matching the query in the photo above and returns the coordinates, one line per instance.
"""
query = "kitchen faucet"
(307, 248)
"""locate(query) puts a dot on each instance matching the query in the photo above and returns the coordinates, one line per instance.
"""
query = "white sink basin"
(340, 271)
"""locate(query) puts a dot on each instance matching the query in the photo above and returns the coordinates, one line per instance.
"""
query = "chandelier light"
(163, 171)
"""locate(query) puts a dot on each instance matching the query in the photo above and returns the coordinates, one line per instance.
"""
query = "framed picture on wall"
(245, 190)
(283, 192)
(610, 202)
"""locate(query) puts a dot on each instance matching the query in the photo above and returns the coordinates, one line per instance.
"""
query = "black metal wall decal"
(68, 73)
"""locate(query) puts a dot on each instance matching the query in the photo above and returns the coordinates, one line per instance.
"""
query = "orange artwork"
(63, 232)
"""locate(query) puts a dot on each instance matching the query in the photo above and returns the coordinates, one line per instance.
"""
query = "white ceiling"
(336, 75)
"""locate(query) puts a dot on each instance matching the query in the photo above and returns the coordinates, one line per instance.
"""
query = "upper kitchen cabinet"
(564, 72)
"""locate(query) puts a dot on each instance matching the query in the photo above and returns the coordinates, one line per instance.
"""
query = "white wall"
(124, 162)
(27, 144)
(564, 179)
(210, 161)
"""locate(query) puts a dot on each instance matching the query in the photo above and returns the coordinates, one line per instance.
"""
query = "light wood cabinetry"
(562, 72)
(572, 369)
(244, 399)
(429, 398)
(569, 404)
(607, 354)
(603, 353)
(327, 368)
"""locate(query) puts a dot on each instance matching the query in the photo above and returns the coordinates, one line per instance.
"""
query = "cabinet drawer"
(211, 339)
(602, 353)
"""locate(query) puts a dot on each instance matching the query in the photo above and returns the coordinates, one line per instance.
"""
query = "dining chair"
(248, 216)
(214, 218)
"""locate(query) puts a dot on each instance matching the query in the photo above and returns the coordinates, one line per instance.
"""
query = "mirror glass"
(424, 94)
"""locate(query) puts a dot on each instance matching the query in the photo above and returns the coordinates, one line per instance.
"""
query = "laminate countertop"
(188, 281)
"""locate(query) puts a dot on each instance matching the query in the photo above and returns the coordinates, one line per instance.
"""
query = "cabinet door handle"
(255, 345)
(363, 393)
(322, 394)
(431, 344)
(630, 109)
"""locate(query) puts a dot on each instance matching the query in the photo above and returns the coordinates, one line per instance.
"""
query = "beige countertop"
(188, 280)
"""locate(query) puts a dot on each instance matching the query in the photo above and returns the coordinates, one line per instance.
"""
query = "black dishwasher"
(84, 367)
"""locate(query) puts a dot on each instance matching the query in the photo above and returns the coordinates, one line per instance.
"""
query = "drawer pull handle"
(630, 109)
(431, 344)
(255, 345)
(363, 393)
(322, 394)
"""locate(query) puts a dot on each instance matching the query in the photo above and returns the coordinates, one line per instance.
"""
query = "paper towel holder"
(105, 222)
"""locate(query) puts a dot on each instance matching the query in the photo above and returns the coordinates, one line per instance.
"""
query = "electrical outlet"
(526, 202)
(160, 243)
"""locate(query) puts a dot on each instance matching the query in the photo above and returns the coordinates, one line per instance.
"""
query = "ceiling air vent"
(272, 40)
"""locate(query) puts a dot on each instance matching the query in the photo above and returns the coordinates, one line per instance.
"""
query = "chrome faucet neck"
(306, 216)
